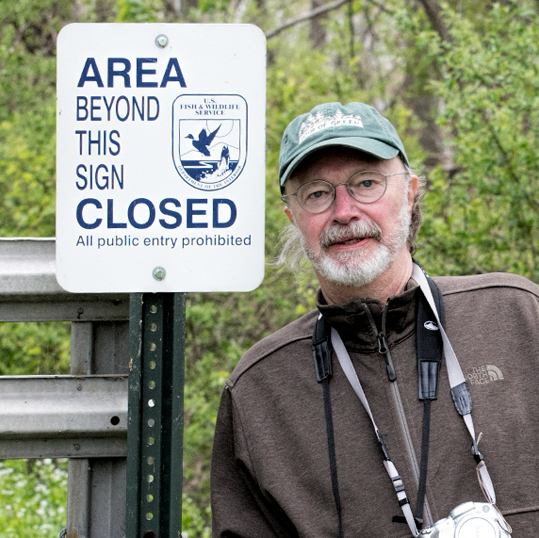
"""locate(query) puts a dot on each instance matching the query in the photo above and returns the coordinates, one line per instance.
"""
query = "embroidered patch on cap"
(318, 122)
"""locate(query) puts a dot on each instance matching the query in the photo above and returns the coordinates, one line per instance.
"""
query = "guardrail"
(81, 416)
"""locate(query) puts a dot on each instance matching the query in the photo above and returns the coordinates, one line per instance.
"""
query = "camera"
(470, 520)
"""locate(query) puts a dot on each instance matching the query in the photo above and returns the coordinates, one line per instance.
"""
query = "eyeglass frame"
(284, 197)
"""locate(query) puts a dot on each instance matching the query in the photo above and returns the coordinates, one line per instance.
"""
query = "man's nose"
(345, 207)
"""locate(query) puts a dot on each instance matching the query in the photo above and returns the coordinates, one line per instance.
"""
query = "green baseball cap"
(354, 125)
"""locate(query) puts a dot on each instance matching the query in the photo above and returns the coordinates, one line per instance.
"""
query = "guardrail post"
(155, 420)
(96, 486)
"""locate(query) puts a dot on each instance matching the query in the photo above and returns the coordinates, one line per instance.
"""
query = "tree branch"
(305, 17)
(320, 11)
(432, 10)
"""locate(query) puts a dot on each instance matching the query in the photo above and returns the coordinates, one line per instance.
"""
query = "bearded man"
(311, 449)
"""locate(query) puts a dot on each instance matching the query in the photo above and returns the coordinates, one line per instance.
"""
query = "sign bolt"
(161, 41)
(159, 273)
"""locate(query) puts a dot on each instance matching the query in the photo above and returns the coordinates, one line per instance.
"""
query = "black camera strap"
(429, 349)
(322, 361)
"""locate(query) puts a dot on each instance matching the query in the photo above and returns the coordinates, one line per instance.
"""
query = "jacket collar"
(353, 323)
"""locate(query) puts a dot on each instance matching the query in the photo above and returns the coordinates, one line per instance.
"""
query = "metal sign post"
(160, 191)
(155, 424)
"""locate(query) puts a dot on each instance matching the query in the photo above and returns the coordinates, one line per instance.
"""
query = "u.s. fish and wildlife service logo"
(209, 139)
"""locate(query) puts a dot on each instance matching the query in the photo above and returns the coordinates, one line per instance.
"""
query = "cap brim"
(367, 145)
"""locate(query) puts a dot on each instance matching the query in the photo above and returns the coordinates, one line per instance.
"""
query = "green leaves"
(27, 173)
(34, 348)
(27, 117)
(489, 91)
(33, 498)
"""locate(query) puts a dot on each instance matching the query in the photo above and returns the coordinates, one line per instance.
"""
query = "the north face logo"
(485, 374)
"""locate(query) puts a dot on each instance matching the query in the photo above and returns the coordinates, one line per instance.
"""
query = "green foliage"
(34, 348)
(27, 170)
(137, 11)
(484, 216)
(27, 115)
(33, 498)
(195, 520)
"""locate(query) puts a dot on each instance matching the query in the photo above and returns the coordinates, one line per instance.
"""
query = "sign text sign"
(160, 157)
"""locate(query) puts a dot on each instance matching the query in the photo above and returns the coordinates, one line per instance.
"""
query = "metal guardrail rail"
(81, 416)
(63, 416)
(29, 290)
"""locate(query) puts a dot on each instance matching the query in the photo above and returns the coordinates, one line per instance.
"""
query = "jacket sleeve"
(239, 508)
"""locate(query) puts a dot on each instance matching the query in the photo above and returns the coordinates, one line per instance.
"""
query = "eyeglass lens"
(365, 187)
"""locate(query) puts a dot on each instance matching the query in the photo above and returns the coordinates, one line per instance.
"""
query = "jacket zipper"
(383, 347)
(383, 350)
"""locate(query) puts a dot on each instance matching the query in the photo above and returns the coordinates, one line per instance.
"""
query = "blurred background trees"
(459, 80)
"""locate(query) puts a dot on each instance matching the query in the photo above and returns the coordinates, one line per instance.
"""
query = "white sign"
(160, 157)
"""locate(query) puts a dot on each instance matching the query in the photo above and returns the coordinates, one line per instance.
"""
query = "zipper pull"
(383, 349)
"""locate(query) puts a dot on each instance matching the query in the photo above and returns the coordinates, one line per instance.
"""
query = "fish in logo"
(209, 153)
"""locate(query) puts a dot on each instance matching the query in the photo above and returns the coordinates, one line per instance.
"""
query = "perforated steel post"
(155, 421)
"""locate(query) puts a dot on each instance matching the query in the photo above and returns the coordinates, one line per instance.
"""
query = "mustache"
(339, 233)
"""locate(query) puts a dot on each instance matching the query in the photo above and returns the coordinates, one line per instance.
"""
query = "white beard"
(359, 268)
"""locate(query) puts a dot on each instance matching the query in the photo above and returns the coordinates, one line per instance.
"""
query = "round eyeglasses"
(366, 186)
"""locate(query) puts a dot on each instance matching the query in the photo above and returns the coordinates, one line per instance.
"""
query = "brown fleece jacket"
(270, 467)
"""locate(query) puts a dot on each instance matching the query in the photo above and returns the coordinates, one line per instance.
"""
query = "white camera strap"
(398, 484)
(459, 392)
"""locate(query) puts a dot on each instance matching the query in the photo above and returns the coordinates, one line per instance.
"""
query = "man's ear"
(412, 190)
(288, 213)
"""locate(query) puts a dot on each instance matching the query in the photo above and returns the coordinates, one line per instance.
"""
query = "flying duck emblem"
(204, 140)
